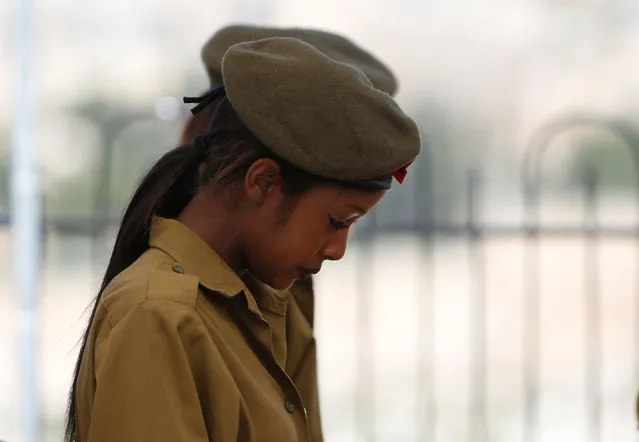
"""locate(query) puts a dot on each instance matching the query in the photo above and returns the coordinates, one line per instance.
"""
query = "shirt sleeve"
(146, 390)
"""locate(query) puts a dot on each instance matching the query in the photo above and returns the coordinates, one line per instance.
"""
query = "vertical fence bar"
(478, 428)
(635, 344)
(26, 228)
(531, 306)
(593, 307)
(365, 406)
(426, 395)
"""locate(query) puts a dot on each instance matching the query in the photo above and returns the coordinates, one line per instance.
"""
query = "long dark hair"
(168, 187)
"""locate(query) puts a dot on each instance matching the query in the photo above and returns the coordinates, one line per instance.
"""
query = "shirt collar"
(198, 259)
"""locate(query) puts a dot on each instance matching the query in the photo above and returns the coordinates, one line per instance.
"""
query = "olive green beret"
(335, 46)
(321, 115)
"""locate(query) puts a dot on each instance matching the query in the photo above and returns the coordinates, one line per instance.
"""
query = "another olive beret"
(335, 46)
(319, 114)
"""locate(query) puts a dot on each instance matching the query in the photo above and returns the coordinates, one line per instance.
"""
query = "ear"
(263, 180)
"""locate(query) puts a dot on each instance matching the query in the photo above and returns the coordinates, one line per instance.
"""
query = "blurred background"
(492, 297)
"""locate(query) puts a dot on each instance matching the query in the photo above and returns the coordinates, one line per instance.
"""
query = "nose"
(335, 248)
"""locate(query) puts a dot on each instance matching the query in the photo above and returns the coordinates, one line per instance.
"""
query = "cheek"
(298, 238)
(277, 241)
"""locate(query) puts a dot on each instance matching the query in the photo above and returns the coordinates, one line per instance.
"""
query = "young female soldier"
(188, 337)
(342, 50)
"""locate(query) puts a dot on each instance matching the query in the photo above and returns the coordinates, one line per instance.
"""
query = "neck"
(217, 225)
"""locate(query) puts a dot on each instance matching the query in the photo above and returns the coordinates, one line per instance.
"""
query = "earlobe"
(260, 192)
(263, 190)
(257, 197)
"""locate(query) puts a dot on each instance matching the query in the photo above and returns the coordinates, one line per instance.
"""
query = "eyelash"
(337, 225)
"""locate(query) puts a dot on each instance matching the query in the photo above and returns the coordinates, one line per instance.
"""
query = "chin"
(277, 283)
(281, 284)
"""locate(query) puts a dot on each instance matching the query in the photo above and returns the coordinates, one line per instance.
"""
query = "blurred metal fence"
(531, 231)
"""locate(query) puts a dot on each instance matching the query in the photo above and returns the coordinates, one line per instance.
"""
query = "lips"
(306, 273)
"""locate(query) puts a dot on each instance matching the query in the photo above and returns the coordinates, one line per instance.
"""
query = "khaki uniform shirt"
(181, 349)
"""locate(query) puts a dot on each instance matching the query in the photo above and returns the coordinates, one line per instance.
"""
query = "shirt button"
(178, 268)
(290, 406)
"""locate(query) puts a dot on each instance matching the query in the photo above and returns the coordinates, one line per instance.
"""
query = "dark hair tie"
(205, 100)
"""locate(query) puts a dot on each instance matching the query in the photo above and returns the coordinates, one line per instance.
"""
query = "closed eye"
(337, 225)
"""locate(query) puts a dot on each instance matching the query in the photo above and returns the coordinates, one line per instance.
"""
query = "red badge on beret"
(400, 173)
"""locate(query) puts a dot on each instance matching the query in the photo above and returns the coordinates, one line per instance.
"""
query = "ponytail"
(165, 190)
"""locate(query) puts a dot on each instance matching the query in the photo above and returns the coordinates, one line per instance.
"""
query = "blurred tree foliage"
(136, 138)
(435, 183)
(612, 161)
(130, 139)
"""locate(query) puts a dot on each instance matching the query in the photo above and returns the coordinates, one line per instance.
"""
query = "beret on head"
(323, 116)
(335, 46)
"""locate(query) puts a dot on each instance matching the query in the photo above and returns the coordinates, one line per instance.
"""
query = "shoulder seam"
(149, 301)
(149, 282)
(146, 295)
